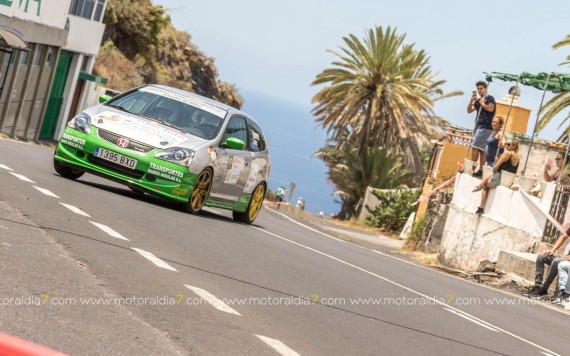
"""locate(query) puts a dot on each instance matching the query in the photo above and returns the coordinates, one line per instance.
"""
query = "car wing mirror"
(103, 98)
(234, 144)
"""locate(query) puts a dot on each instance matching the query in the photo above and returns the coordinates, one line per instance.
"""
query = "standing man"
(485, 107)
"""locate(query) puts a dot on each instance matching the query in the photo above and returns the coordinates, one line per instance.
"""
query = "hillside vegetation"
(140, 45)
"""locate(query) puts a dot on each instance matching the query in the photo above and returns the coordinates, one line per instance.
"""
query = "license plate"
(115, 158)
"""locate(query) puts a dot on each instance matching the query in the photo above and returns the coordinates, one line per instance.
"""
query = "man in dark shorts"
(485, 108)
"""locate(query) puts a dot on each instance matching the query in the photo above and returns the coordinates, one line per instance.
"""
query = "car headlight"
(81, 122)
(178, 155)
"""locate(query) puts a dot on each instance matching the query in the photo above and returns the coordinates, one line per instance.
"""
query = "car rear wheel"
(253, 207)
(65, 171)
(200, 193)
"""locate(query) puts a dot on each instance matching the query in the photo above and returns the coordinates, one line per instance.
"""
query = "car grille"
(133, 173)
(133, 145)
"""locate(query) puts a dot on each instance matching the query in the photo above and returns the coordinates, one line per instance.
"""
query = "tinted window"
(257, 143)
(237, 128)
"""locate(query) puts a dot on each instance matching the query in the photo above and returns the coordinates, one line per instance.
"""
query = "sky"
(278, 47)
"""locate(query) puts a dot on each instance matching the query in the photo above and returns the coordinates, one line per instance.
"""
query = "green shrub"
(416, 234)
(393, 210)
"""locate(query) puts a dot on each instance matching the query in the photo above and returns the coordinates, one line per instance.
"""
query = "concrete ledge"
(521, 264)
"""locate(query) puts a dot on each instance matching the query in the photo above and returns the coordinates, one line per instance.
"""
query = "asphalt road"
(119, 272)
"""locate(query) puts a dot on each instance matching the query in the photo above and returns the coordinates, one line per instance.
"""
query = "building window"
(50, 56)
(6, 58)
(39, 55)
(99, 10)
(85, 63)
(84, 8)
(24, 58)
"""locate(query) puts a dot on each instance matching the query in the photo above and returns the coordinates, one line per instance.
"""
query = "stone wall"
(510, 222)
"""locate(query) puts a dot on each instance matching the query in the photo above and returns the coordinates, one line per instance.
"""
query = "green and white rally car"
(174, 144)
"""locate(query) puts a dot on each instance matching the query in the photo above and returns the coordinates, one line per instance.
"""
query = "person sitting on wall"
(508, 162)
(563, 291)
(559, 160)
(540, 288)
(494, 141)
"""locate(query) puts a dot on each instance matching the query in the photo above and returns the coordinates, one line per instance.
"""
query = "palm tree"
(352, 174)
(558, 102)
(380, 90)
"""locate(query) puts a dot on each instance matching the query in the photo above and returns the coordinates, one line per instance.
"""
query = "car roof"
(204, 99)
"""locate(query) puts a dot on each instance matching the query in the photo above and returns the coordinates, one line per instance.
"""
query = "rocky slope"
(141, 45)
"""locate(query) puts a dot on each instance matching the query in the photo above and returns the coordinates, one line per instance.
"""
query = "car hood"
(144, 130)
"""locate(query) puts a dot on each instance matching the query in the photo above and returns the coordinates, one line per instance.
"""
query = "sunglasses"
(509, 144)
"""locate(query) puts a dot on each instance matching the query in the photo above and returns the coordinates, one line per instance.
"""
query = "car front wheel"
(65, 171)
(253, 207)
(200, 193)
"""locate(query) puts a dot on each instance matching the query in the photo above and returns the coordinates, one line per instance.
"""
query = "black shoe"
(560, 297)
(530, 290)
(480, 211)
(478, 174)
(538, 293)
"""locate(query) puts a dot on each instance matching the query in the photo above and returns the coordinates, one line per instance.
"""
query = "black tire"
(254, 206)
(200, 192)
(67, 172)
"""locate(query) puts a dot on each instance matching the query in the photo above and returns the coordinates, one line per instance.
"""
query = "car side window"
(237, 127)
(257, 140)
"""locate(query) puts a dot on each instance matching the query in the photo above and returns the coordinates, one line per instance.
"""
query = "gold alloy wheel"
(201, 190)
(256, 202)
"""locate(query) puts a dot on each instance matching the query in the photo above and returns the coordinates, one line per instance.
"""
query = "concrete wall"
(510, 222)
(79, 30)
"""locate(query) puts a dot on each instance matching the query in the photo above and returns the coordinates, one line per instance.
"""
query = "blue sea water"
(293, 138)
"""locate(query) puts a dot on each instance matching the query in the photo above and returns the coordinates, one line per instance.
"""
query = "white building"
(42, 88)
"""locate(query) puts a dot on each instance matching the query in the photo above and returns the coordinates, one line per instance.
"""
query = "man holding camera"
(485, 107)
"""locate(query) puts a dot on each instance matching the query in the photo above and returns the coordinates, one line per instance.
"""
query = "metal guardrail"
(557, 211)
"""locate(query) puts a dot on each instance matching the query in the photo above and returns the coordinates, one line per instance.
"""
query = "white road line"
(109, 231)
(471, 320)
(75, 209)
(5, 167)
(337, 239)
(152, 258)
(5, 243)
(404, 287)
(46, 192)
(278, 346)
(24, 178)
(212, 300)
(212, 210)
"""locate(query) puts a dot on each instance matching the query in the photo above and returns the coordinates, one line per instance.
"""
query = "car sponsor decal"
(252, 178)
(72, 141)
(165, 172)
(186, 100)
(178, 191)
(233, 174)
(138, 129)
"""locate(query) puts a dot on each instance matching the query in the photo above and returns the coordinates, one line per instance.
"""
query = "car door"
(259, 168)
(233, 166)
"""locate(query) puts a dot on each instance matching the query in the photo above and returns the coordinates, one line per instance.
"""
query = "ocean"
(292, 136)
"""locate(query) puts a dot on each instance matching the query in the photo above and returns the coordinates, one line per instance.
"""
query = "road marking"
(109, 231)
(212, 300)
(5, 167)
(75, 209)
(21, 177)
(212, 210)
(278, 346)
(46, 192)
(404, 287)
(471, 320)
(152, 258)
(5, 243)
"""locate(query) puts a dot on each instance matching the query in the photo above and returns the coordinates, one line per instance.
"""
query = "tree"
(352, 174)
(382, 91)
(558, 102)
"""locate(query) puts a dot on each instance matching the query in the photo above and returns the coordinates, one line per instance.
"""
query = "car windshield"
(185, 113)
